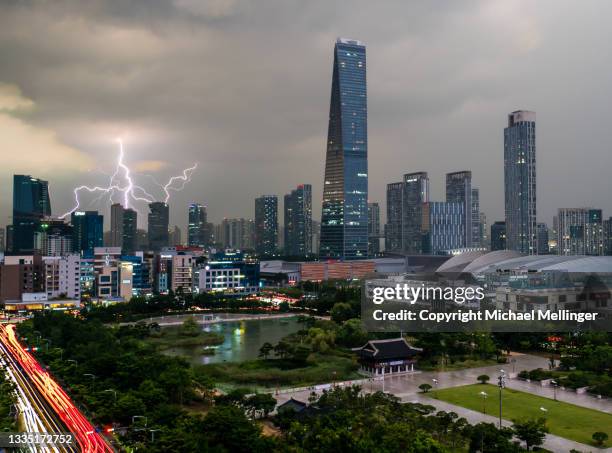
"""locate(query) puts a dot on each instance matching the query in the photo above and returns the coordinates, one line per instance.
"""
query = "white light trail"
(125, 185)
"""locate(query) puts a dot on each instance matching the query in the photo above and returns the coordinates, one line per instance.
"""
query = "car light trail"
(85, 434)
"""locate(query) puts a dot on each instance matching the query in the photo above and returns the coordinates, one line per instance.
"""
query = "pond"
(242, 340)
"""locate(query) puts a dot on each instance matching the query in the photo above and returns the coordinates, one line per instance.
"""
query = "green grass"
(320, 368)
(563, 419)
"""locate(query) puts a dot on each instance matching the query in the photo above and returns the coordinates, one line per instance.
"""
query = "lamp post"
(435, 385)
(484, 401)
(501, 384)
(135, 417)
(554, 386)
(92, 376)
(114, 393)
(153, 431)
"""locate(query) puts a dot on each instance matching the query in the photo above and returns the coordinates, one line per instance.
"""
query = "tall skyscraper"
(373, 229)
(520, 181)
(31, 204)
(87, 231)
(158, 220)
(266, 224)
(459, 190)
(197, 230)
(416, 194)
(580, 231)
(129, 240)
(116, 225)
(298, 221)
(175, 236)
(53, 238)
(498, 236)
(344, 218)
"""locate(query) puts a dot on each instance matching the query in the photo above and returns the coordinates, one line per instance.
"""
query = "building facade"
(520, 182)
(31, 203)
(498, 236)
(87, 231)
(158, 223)
(443, 227)
(197, 230)
(344, 218)
(580, 231)
(373, 229)
(459, 190)
(266, 224)
(298, 221)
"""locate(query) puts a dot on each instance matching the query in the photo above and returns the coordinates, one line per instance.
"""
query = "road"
(40, 394)
(206, 319)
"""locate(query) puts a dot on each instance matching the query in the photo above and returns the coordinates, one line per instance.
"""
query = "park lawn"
(563, 419)
(319, 369)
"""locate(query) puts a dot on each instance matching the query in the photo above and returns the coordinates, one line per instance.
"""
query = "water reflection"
(242, 340)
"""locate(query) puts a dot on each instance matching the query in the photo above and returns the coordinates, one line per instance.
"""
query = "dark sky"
(243, 89)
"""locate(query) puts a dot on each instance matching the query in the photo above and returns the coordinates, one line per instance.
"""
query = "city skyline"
(425, 106)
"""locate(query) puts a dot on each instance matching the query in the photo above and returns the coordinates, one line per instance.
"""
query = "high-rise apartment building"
(580, 231)
(416, 194)
(476, 230)
(53, 238)
(394, 227)
(542, 248)
(266, 224)
(344, 218)
(520, 181)
(298, 221)
(158, 223)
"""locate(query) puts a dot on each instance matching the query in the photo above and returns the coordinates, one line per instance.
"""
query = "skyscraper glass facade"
(87, 231)
(298, 221)
(344, 219)
(197, 233)
(158, 221)
(31, 204)
(266, 224)
(520, 182)
(459, 190)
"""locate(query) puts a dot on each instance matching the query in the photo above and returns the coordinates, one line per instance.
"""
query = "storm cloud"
(242, 88)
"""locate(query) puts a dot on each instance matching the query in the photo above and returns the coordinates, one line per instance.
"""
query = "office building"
(373, 229)
(298, 221)
(87, 231)
(520, 182)
(158, 222)
(62, 276)
(31, 203)
(443, 227)
(459, 190)
(19, 275)
(394, 226)
(580, 231)
(175, 237)
(416, 194)
(498, 236)
(230, 272)
(266, 224)
(198, 234)
(344, 219)
(129, 231)
(607, 227)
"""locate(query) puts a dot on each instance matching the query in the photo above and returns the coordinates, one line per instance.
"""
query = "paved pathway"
(206, 318)
(406, 387)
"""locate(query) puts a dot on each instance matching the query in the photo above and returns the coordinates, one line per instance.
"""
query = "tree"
(486, 438)
(227, 429)
(531, 431)
(265, 350)
(352, 334)
(483, 378)
(260, 402)
(190, 328)
(599, 438)
(341, 312)
(425, 388)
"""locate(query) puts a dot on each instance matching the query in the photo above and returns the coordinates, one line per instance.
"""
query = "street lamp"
(113, 391)
(501, 384)
(435, 384)
(554, 386)
(153, 431)
(76, 363)
(484, 401)
(92, 376)
(135, 417)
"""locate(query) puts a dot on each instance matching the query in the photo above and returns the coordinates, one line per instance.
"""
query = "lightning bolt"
(129, 191)
(184, 178)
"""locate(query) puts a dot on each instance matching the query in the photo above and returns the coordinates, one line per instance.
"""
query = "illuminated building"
(298, 221)
(266, 224)
(344, 219)
(30, 205)
(520, 182)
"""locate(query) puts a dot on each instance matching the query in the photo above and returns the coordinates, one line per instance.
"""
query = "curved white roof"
(458, 262)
